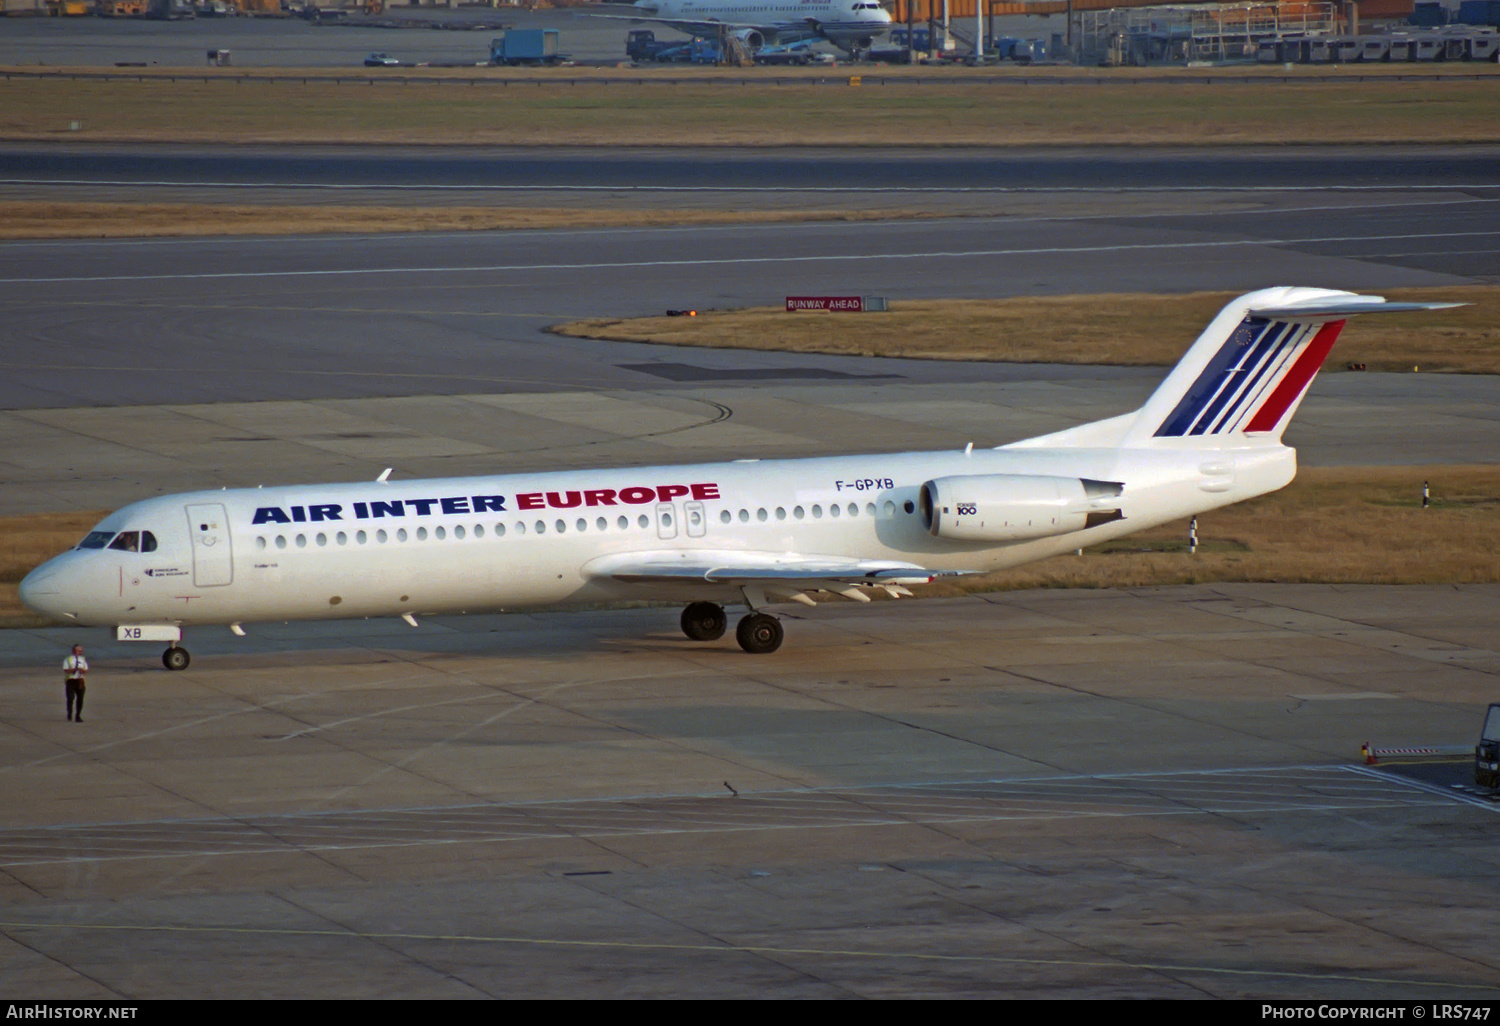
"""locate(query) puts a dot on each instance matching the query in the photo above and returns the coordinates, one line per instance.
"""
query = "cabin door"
(213, 556)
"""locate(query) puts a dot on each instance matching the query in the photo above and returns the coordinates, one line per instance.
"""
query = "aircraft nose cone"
(40, 590)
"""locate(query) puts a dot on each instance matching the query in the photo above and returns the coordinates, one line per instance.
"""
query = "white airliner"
(750, 532)
(848, 24)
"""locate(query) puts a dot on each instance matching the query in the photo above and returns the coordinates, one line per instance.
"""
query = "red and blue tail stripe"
(1240, 383)
(1255, 377)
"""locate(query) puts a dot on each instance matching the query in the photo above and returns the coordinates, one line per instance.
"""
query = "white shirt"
(76, 666)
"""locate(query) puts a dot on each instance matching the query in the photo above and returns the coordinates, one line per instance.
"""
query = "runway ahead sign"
(847, 304)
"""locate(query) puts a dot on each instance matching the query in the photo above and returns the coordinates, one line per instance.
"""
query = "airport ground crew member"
(75, 668)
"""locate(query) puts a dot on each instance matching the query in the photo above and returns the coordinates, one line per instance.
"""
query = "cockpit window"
(96, 540)
(134, 541)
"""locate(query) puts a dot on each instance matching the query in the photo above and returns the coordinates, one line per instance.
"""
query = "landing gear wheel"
(759, 634)
(175, 658)
(704, 621)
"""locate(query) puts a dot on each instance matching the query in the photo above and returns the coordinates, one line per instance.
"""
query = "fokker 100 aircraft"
(850, 25)
(750, 532)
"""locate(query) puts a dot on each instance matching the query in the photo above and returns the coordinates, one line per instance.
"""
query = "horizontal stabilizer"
(1348, 308)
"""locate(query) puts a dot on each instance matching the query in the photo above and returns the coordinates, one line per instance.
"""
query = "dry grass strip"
(39, 219)
(1122, 330)
(952, 108)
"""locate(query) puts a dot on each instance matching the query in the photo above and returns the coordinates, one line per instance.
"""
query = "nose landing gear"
(176, 658)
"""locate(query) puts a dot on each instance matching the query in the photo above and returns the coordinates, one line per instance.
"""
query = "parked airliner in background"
(751, 532)
(850, 25)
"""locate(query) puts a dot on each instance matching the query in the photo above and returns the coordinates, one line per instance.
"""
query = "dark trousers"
(75, 689)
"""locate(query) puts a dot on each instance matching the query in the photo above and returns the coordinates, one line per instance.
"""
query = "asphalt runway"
(879, 174)
(292, 42)
(274, 355)
(1154, 793)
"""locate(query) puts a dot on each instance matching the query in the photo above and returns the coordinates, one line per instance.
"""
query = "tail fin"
(1244, 377)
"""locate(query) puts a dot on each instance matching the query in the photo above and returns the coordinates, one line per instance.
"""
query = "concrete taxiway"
(1060, 794)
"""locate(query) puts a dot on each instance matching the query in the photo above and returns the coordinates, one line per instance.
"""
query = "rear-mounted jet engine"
(1016, 507)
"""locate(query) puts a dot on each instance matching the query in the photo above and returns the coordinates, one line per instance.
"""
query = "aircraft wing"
(768, 575)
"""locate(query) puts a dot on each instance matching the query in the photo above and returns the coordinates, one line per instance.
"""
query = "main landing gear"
(757, 633)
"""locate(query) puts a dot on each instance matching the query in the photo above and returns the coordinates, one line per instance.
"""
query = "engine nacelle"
(1016, 507)
(752, 39)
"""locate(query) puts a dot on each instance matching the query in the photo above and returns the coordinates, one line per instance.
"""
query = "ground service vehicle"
(1487, 752)
(526, 46)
